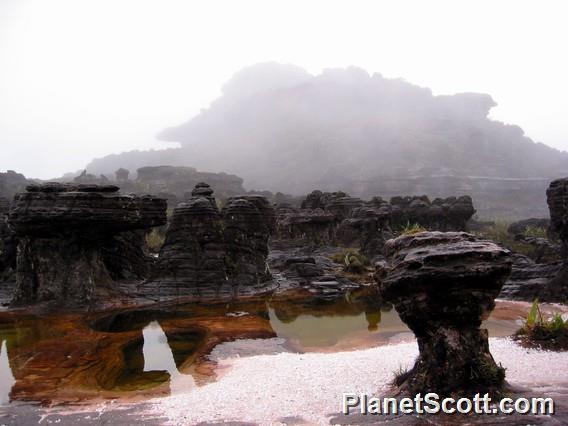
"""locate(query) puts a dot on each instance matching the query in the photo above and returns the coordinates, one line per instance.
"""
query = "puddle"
(150, 352)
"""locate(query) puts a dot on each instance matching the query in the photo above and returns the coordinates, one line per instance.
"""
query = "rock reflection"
(7, 379)
(159, 356)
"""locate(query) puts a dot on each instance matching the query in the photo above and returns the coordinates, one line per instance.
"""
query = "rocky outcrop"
(520, 227)
(11, 183)
(311, 226)
(441, 214)
(208, 253)
(312, 270)
(335, 217)
(528, 280)
(557, 198)
(443, 285)
(65, 233)
(177, 180)
(7, 244)
(192, 259)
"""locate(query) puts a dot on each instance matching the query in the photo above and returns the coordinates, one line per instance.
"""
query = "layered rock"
(65, 233)
(192, 259)
(443, 285)
(7, 244)
(314, 226)
(441, 214)
(529, 280)
(247, 230)
(177, 180)
(338, 218)
(208, 253)
(557, 198)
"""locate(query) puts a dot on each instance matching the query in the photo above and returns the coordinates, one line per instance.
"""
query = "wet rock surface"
(212, 253)
(63, 234)
(312, 270)
(443, 285)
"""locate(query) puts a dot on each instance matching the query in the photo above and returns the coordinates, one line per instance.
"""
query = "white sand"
(265, 389)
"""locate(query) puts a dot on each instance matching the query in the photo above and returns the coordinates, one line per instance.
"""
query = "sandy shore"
(279, 387)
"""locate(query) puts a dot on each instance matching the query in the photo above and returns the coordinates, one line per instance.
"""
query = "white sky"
(81, 79)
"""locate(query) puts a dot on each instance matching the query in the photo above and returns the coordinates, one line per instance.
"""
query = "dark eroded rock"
(210, 254)
(443, 285)
(557, 198)
(65, 234)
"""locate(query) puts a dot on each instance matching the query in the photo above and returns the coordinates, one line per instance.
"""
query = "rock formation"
(312, 226)
(7, 244)
(557, 198)
(63, 231)
(443, 285)
(208, 253)
(192, 259)
(122, 175)
(177, 180)
(335, 217)
(529, 280)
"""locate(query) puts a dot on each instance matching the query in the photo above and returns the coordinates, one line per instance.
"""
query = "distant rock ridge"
(282, 129)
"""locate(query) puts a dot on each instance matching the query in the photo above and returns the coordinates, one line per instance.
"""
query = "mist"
(82, 80)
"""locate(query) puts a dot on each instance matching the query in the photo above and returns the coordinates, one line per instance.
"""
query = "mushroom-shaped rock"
(62, 232)
(443, 284)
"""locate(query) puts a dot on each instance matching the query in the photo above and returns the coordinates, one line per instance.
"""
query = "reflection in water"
(156, 350)
(6, 377)
(158, 356)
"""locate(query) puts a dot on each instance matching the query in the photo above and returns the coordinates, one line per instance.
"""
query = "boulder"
(443, 284)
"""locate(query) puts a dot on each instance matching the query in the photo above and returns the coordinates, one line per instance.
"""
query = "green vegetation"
(535, 232)
(155, 239)
(498, 233)
(400, 375)
(412, 228)
(352, 261)
(551, 333)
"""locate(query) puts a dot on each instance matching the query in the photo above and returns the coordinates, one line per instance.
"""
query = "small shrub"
(400, 375)
(498, 233)
(549, 333)
(155, 240)
(352, 261)
(412, 228)
(535, 232)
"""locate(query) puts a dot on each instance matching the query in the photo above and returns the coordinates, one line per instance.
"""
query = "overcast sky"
(81, 79)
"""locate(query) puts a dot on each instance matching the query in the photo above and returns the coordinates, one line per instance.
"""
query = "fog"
(80, 80)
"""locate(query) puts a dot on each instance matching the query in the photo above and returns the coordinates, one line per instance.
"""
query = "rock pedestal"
(63, 231)
(443, 284)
